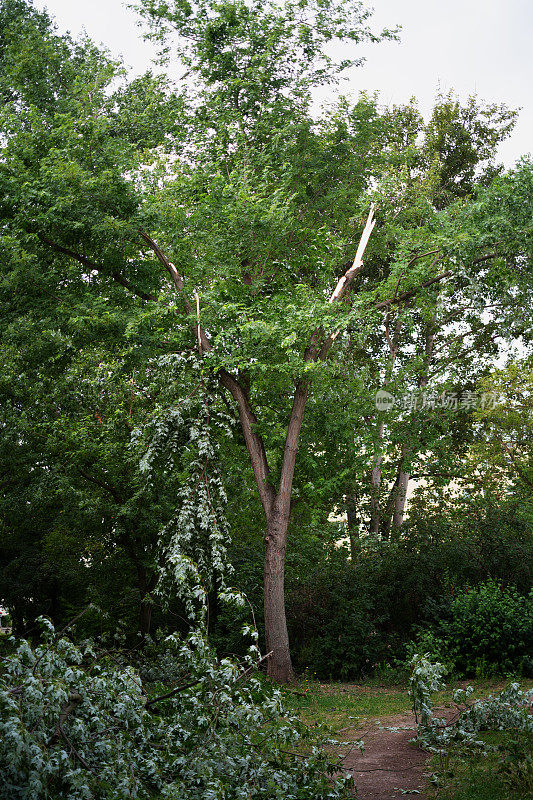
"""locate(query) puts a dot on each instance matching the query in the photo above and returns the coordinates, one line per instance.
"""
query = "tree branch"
(153, 700)
(66, 710)
(89, 264)
(253, 667)
(344, 282)
(178, 282)
(357, 266)
(291, 443)
(177, 279)
(102, 484)
(413, 292)
(254, 442)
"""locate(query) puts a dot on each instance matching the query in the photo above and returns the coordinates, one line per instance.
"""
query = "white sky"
(481, 47)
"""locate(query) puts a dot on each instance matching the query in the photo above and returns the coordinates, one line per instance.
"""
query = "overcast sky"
(481, 47)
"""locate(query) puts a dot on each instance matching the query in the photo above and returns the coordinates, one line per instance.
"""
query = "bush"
(348, 617)
(334, 624)
(490, 630)
(433, 646)
(75, 726)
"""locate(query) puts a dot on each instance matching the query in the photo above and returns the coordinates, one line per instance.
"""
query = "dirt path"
(389, 767)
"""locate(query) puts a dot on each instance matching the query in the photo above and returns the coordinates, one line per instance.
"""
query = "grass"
(504, 774)
(339, 705)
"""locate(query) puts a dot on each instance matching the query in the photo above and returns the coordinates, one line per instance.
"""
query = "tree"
(230, 178)
(430, 347)
(502, 452)
(76, 145)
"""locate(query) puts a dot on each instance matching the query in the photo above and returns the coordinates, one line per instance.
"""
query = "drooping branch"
(177, 689)
(247, 417)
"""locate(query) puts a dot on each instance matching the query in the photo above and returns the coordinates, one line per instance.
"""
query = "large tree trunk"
(277, 514)
(277, 510)
(276, 505)
(276, 635)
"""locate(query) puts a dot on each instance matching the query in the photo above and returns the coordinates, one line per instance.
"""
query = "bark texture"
(276, 634)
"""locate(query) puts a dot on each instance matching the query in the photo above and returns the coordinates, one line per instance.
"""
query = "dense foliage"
(490, 629)
(508, 710)
(75, 724)
(354, 612)
(238, 329)
(169, 251)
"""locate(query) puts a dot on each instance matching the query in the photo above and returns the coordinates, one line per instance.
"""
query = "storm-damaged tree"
(218, 216)
(94, 168)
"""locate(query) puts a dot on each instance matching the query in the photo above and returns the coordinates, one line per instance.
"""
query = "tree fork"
(275, 504)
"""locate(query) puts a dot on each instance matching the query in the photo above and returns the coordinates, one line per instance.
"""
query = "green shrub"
(490, 630)
(435, 647)
(335, 627)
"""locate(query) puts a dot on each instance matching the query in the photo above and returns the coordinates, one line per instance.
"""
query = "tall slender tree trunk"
(391, 504)
(401, 497)
(352, 521)
(404, 475)
(379, 516)
(375, 482)
(146, 583)
(145, 619)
